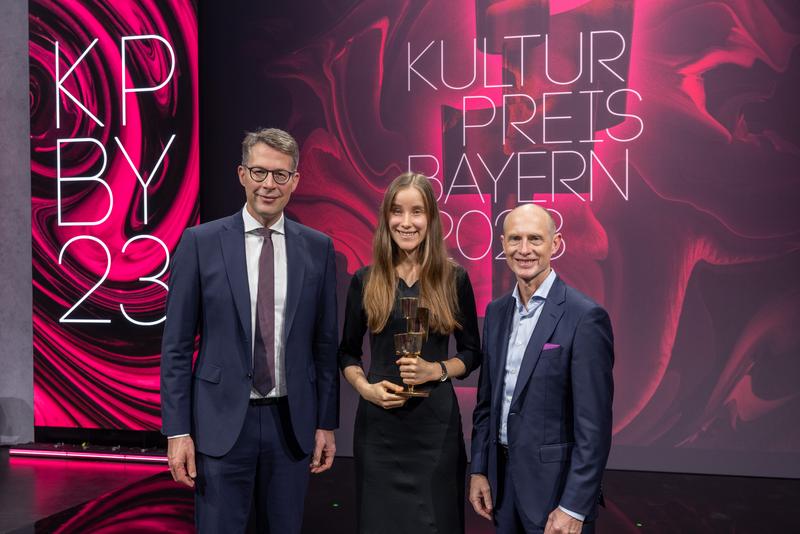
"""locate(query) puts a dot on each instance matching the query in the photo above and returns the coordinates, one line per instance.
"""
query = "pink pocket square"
(550, 346)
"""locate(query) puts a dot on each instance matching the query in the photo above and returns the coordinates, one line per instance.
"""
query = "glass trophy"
(409, 344)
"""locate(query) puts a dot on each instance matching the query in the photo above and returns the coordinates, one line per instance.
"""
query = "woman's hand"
(383, 394)
(416, 371)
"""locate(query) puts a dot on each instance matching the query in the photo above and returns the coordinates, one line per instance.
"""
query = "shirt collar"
(541, 293)
(251, 224)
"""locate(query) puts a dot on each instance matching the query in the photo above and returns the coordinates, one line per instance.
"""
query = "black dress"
(410, 461)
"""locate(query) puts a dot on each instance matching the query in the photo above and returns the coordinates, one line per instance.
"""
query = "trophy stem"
(410, 392)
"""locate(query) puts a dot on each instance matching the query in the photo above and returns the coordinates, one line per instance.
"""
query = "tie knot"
(263, 232)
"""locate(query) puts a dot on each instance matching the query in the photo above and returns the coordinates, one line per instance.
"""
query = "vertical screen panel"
(114, 180)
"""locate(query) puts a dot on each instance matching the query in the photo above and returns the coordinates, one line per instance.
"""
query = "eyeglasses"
(279, 176)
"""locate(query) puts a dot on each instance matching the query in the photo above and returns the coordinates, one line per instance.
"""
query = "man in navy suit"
(260, 292)
(542, 423)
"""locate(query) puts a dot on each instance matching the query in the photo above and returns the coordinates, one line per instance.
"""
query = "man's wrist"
(574, 515)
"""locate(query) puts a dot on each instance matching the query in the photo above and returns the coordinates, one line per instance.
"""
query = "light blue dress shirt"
(526, 316)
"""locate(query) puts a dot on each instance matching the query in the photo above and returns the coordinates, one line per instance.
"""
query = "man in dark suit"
(542, 423)
(260, 291)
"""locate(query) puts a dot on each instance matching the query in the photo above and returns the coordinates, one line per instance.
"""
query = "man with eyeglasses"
(258, 411)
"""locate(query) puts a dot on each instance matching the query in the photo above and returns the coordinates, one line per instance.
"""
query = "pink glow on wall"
(688, 232)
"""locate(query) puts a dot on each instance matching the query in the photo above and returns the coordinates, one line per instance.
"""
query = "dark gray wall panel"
(16, 350)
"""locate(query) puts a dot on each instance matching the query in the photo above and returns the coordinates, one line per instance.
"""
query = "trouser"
(507, 516)
(260, 484)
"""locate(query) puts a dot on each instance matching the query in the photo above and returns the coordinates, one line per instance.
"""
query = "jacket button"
(249, 375)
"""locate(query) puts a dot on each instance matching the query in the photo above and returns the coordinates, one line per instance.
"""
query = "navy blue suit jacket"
(209, 296)
(559, 423)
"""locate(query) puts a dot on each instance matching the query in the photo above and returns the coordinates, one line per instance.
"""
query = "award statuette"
(409, 345)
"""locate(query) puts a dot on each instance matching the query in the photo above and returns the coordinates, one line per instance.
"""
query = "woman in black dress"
(410, 458)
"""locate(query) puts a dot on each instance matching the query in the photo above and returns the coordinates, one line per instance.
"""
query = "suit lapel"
(551, 313)
(296, 257)
(501, 349)
(233, 254)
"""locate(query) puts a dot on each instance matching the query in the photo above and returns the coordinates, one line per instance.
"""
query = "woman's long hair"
(437, 288)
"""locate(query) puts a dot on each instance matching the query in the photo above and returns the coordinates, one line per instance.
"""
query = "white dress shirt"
(252, 245)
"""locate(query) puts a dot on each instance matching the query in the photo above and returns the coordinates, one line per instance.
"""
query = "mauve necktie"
(264, 347)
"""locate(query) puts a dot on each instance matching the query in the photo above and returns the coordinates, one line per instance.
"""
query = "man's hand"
(560, 522)
(480, 496)
(324, 451)
(180, 455)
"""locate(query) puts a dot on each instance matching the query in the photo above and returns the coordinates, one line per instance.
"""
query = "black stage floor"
(44, 495)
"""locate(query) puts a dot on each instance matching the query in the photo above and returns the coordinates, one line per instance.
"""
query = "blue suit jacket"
(559, 423)
(209, 296)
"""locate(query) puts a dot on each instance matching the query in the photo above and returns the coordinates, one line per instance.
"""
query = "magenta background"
(106, 375)
(698, 269)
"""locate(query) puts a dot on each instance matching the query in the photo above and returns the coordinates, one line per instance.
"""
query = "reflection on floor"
(134, 499)
(32, 489)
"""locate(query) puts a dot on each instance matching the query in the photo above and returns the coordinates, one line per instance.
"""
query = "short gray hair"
(274, 138)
